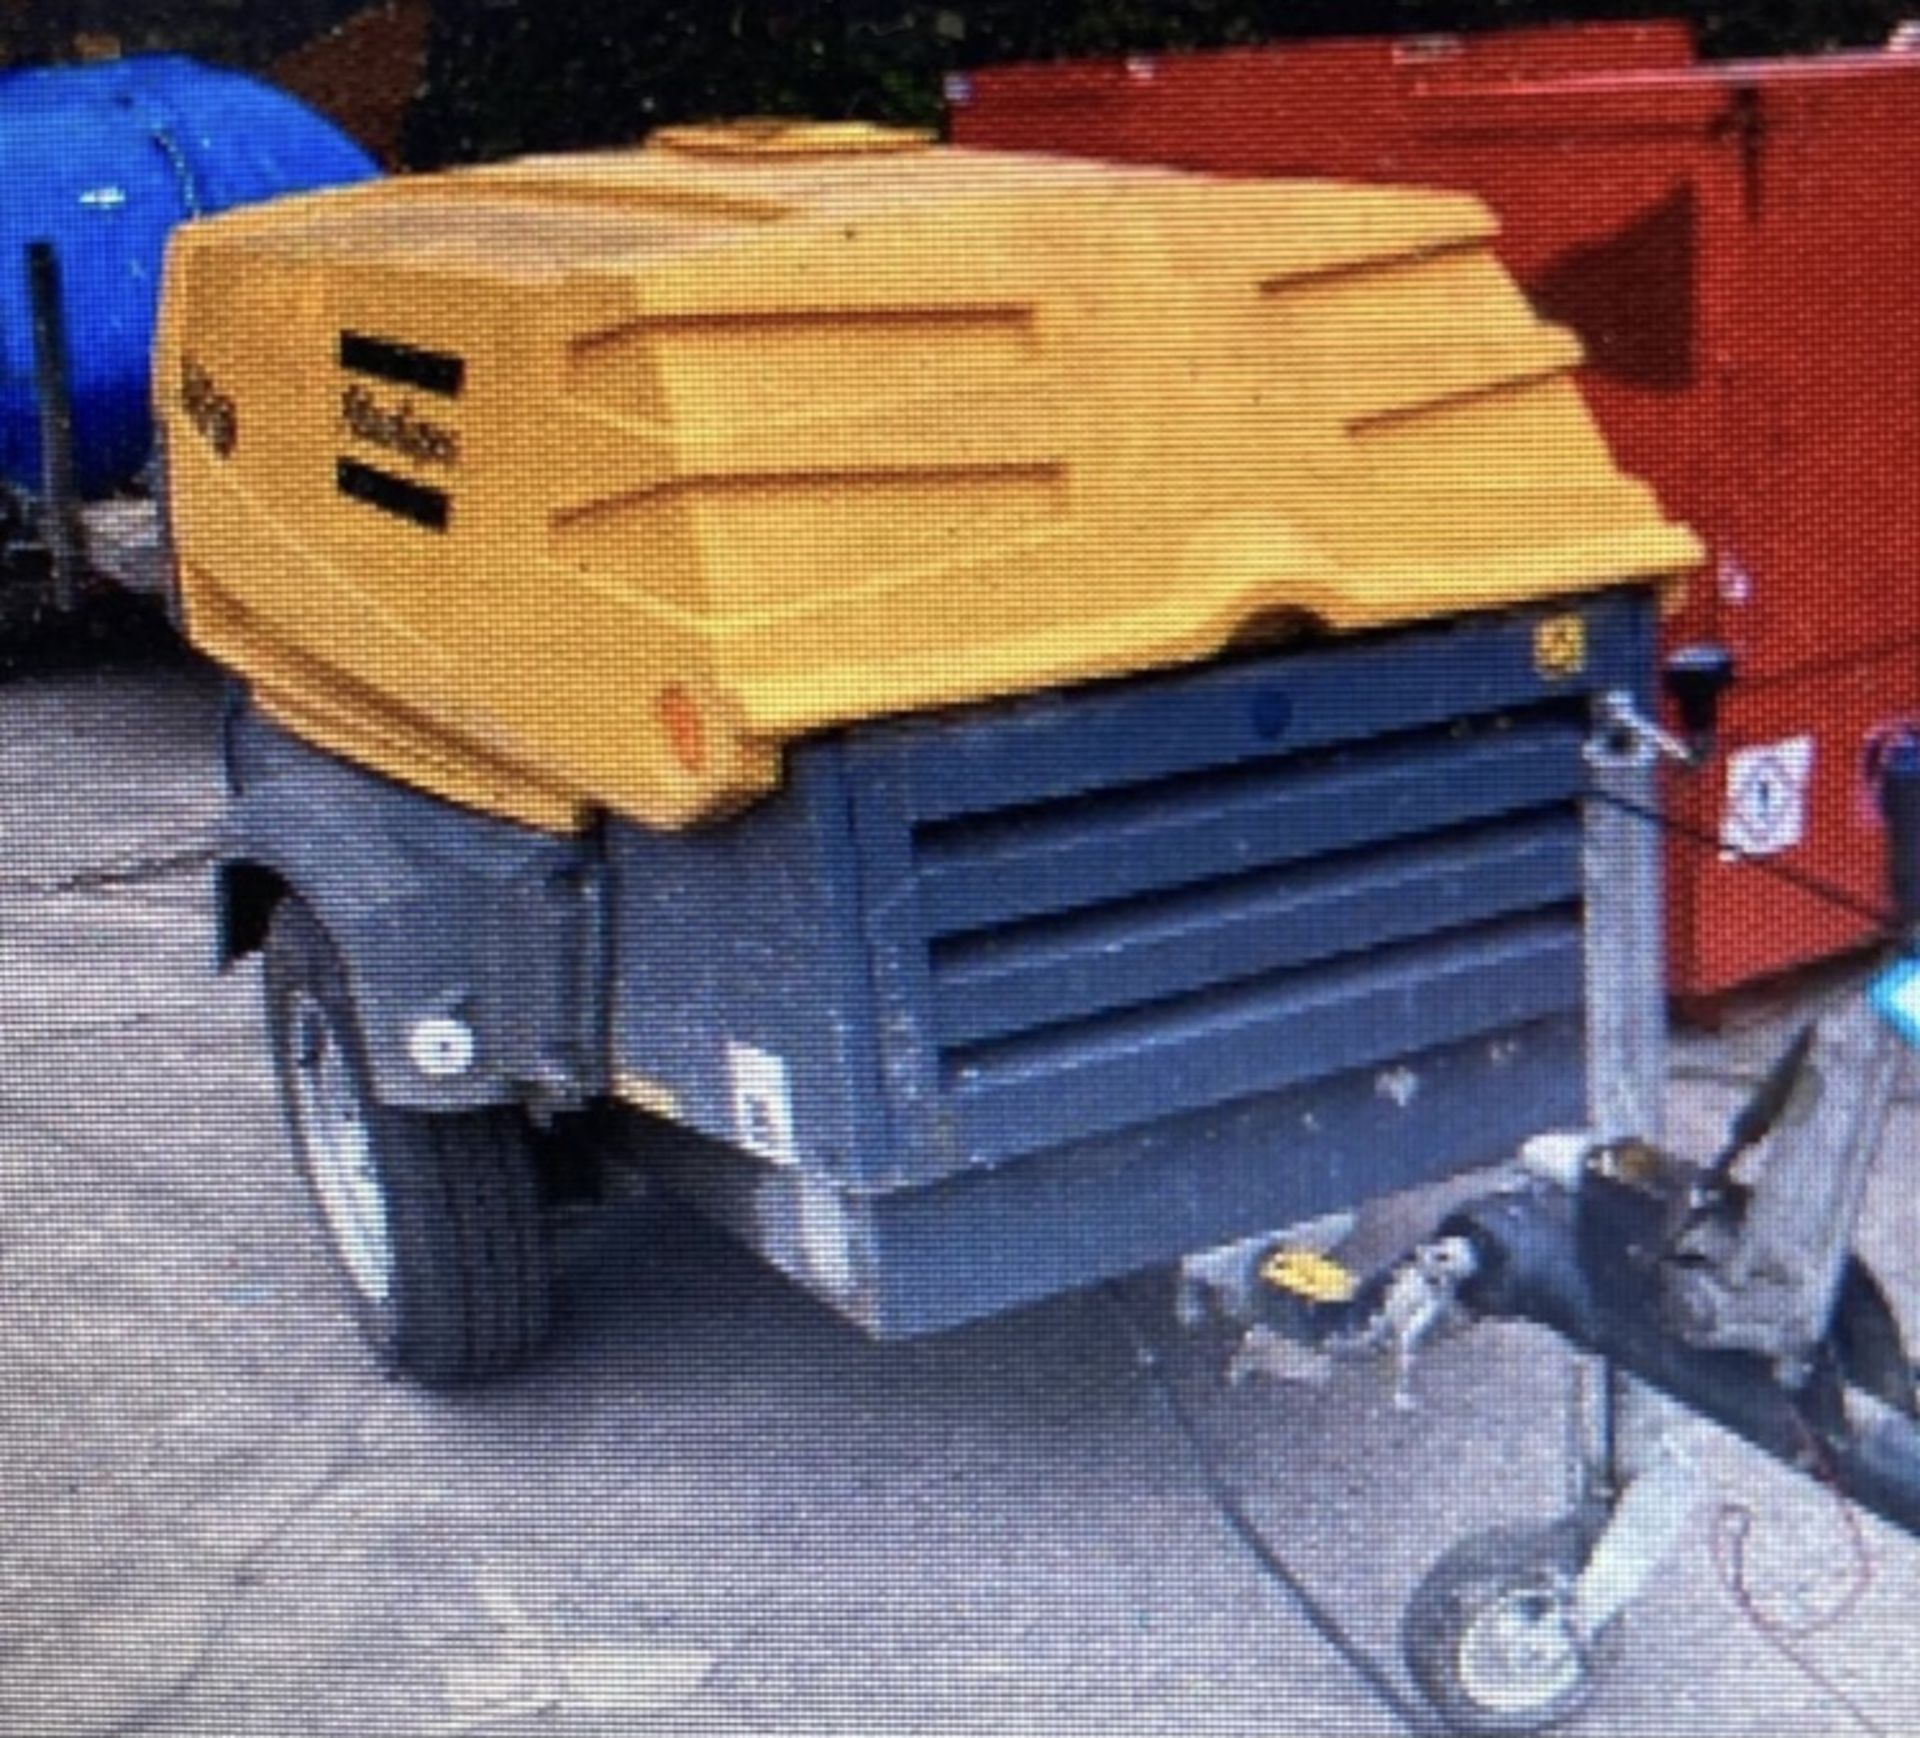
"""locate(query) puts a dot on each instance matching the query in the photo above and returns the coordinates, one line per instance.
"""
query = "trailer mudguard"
(439, 913)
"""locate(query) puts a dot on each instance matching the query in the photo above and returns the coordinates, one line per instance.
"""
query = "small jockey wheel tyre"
(433, 1219)
(1489, 1634)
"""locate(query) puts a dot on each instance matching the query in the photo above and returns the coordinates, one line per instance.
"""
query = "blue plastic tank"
(102, 161)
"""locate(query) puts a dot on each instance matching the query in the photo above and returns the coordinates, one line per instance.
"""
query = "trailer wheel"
(434, 1220)
(1489, 1634)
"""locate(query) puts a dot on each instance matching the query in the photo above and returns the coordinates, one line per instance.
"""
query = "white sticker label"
(762, 1103)
(1766, 798)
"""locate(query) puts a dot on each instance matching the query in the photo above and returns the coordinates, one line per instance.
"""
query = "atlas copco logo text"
(399, 428)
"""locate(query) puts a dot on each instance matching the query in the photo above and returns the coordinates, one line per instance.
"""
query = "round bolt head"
(441, 1047)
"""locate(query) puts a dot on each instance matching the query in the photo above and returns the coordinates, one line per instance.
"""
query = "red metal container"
(1738, 245)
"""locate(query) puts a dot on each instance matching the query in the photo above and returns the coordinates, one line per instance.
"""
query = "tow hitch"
(1737, 1295)
(1744, 1303)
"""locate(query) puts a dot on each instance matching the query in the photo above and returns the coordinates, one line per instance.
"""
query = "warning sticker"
(1308, 1274)
(1766, 809)
(1560, 646)
(762, 1103)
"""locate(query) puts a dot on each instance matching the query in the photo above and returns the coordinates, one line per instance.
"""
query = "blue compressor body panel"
(988, 1004)
(1020, 996)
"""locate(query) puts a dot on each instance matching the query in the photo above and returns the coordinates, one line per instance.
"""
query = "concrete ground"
(712, 1507)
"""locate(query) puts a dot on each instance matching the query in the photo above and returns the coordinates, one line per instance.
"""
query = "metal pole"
(1626, 996)
(59, 503)
(1611, 1418)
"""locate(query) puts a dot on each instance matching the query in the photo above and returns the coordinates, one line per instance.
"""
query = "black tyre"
(1489, 1634)
(434, 1220)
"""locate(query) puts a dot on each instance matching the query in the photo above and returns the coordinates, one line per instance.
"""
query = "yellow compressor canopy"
(582, 483)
